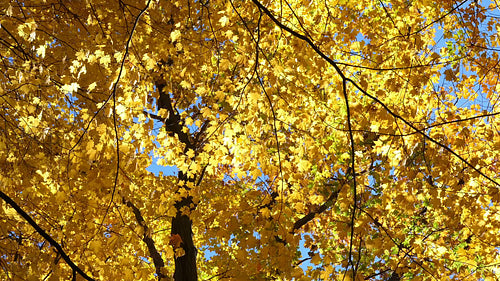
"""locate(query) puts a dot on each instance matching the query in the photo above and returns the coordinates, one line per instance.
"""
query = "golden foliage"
(341, 140)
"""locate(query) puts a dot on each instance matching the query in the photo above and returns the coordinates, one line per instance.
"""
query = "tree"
(363, 131)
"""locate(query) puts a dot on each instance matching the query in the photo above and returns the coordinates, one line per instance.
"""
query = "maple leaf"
(175, 241)
(224, 20)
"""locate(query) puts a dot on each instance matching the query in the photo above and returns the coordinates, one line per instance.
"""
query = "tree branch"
(307, 218)
(153, 252)
(45, 235)
(173, 121)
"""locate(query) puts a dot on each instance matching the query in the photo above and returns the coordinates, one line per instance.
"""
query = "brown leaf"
(175, 241)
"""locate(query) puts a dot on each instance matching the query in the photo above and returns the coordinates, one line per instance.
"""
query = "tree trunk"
(185, 266)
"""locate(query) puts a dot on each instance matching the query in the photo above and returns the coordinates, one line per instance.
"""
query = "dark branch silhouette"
(45, 236)
(150, 243)
(307, 218)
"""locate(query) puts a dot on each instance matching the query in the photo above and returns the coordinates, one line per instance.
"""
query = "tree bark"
(185, 266)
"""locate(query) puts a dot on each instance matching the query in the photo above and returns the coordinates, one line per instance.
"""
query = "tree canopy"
(312, 140)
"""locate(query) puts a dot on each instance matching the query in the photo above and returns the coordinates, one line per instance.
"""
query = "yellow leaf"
(185, 84)
(95, 246)
(304, 165)
(40, 51)
(91, 86)
(316, 259)
(174, 35)
(105, 60)
(190, 153)
(70, 88)
(179, 252)
(224, 21)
